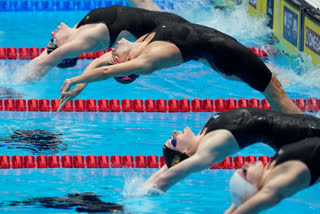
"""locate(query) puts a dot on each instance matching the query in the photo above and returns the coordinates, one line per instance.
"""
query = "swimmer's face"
(122, 50)
(252, 172)
(184, 140)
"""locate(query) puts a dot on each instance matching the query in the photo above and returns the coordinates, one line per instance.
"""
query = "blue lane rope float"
(65, 5)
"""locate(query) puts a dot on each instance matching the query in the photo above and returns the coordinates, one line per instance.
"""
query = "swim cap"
(66, 63)
(240, 189)
(172, 157)
(127, 79)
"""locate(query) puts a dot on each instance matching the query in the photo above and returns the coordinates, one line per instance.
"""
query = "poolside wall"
(294, 22)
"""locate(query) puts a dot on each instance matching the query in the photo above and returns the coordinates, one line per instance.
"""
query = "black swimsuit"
(137, 21)
(250, 126)
(306, 151)
(223, 52)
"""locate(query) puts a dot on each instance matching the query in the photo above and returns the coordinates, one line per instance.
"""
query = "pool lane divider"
(25, 53)
(60, 5)
(148, 105)
(116, 161)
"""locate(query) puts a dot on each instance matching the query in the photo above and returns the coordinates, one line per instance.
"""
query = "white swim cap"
(240, 189)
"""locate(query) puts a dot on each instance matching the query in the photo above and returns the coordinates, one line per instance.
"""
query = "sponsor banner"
(312, 40)
(269, 12)
(311, 43)
(290, 26)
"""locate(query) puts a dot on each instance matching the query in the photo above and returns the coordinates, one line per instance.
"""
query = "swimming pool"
(130, 133)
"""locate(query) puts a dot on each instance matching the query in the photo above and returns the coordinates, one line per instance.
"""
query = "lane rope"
(25, 53)
(115, 161)
(149, 105)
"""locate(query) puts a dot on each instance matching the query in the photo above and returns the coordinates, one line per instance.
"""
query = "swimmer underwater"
(228, 132)
(174, 43)
(98, 30)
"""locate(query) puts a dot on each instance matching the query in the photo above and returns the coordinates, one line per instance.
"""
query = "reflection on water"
(35, 140)
(84, 202)
(6, 93)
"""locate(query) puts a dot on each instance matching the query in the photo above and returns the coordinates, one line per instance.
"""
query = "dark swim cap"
(172, 157)
(127, 79)
(66, 63)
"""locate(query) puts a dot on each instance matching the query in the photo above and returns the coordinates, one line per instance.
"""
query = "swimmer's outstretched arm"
(154, 57)
(155, 175)
(259, 202)
(40, 66)
(214, 147)
(286, 181)
(178, 172)
(103, 60)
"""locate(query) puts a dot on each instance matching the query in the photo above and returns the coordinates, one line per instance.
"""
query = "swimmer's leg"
(278, 99)
(144, 4)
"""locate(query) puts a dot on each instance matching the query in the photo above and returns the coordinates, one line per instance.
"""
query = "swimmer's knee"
(274, 88)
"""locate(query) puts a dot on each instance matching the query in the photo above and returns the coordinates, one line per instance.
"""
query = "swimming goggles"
(116, 59)
(173, 141)
(53, 42)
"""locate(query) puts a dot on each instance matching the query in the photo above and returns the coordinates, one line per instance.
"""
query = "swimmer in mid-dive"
(225, 134)
(255, 187)
(172, 44)
(98, 30)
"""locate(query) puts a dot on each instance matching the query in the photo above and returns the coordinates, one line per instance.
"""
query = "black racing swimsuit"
(306, 151)
(250, 126)
(137, 21)
(223, 52)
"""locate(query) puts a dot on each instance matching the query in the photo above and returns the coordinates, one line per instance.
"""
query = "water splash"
(4, 73)
(234, 21)
(135, 191)
(297, 71)
(17, 72)
(135, 186)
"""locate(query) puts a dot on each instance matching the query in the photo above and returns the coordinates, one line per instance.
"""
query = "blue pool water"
(133, 134)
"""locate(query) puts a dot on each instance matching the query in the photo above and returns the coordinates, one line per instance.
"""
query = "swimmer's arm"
(66, 96)
(104, 60)
(47, 61)
(155, 175)
(153, 58)
(195, 163)
(69, 50)
(230, 209)
(287, 182)
(262, 200)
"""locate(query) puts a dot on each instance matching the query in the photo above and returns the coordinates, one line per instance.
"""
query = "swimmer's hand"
(67, 84)
(154, 192)
(66, 94)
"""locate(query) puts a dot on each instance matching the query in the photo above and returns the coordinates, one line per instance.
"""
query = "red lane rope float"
(33, 52)
(149, 105)
(115, 161)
